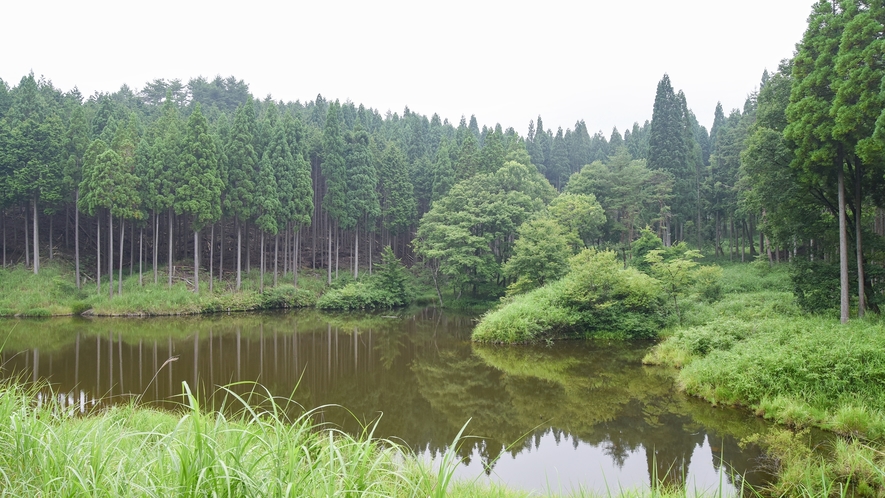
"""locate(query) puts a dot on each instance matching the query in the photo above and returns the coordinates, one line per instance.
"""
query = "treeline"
(131, 176)
(203, 174)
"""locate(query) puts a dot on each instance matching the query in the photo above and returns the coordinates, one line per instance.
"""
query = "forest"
(204, 177)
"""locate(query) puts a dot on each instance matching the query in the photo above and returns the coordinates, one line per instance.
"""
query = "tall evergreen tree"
(242, 175)
(200, 194)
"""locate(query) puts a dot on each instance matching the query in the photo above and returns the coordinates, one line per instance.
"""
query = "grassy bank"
(755, 348)
(274, 451)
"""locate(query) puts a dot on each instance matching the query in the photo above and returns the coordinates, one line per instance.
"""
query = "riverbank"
(756, 348)
(269, 449)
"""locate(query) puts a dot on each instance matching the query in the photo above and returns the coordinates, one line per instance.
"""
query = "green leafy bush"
(389, 287)
(287, 296)
(597, 298)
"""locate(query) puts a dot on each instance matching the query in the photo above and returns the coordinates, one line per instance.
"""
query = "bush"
(389, 287)
(598, 298)
(287, 296)
(357, 296)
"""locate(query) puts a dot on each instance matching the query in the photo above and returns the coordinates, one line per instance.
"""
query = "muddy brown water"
(549, 418)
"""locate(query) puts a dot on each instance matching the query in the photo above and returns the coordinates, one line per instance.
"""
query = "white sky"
(505, 62)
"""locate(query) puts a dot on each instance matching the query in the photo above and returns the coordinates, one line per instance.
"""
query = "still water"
(549, 418)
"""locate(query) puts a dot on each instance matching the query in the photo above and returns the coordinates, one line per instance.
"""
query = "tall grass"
(757, 349)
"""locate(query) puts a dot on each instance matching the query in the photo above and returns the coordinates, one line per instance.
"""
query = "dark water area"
(546, 417)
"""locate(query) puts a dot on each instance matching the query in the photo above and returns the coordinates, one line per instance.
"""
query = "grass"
(53, 293)
(274, 450)
(755, 348)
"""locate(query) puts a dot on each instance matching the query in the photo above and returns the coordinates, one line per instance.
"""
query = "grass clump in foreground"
(137, 451)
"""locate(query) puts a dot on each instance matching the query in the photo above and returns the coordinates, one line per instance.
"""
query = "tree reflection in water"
(419, 373)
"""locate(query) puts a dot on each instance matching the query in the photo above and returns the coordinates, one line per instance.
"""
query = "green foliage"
(391, 276)
(815, 285)
(287, 296)
(647, 242)
(540, 255)
(677, 273)
(597, 298)
(580, 214)
(389, 287)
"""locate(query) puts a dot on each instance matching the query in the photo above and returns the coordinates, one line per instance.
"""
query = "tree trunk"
(356, 252)
(296, 263)
(239, 254)
(843, 251)
(858, 191)
(248, 249)
(261, 263)
(98, 252)
(76, 238)
(329, 267)
(131, 248)
(156, 244)
(140, 256)
(211, 256)
(120, 268)
(169, 268)
(3, 220)
(36, 238)
(221, 254)
(276, 255)
(50, 238)
(110, 254)
(196, 261)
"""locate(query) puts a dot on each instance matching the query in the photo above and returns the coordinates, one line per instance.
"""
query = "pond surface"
(544, 418)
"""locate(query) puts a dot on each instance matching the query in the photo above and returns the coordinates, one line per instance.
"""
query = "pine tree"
(242, 175)
(200, 194)
(362, 180)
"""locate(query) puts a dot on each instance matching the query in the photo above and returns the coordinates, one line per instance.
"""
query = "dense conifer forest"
(205, 179)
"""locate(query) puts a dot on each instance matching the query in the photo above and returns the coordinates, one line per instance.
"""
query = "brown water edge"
(572, 414)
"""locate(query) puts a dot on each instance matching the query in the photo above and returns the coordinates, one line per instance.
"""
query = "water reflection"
(563, 415)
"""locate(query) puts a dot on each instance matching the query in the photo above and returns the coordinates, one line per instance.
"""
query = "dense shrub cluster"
(387, 288)
(597, 298)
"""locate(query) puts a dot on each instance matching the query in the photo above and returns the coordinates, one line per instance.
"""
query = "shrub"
(287, 296)
(598, 298)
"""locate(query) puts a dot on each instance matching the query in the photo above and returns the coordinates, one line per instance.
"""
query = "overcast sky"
(505, 62)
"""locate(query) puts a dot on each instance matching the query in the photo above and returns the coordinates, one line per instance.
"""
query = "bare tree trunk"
(239, 254)
(76, 237)
(36, 238)
(50, 238)
(248, 249)
(221, 254)
(98, 252)
(110, 254)
(356, 252)
(3, 220)
(843, 251)
(858, 191)
(196, 261)
(169, 264)
(131, 248)
(276, 255)
(156, 244)
(329, 267)
(286, 251)
(261, 262)
(120, 268)
(211, 256)
(140, 256)
(296, 263)
(27, 246)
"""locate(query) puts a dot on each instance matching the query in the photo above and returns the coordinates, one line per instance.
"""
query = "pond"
(554, 418)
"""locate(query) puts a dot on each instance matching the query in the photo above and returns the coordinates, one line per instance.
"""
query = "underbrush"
(597, 298)
(758, 349)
